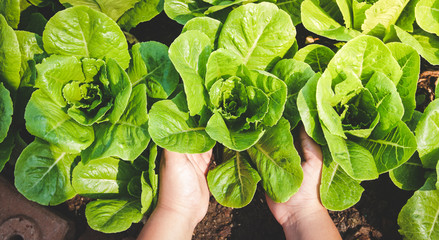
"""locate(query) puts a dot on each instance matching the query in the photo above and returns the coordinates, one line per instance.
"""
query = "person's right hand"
(303, 216)
(307, 199)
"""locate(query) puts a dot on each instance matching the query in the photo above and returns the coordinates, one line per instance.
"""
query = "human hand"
(303, 212)
(308, 197)
(183, 186)
(183, 196)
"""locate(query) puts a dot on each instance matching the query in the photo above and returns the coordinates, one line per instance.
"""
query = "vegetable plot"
(356, 109)
(230, 98)
(83, 97)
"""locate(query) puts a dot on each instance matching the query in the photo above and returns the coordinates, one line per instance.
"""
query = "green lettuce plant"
(85, 104)
(230, 97)
(408, 21)
(356, 109)
(89, 118)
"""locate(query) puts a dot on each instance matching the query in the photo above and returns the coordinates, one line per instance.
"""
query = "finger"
(310, 149)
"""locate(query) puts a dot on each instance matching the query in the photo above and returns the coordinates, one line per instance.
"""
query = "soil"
(374, 217)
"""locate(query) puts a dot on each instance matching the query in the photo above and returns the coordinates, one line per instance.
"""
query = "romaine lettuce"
(356, 109)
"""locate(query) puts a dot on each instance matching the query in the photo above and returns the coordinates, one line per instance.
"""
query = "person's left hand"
(183, 186)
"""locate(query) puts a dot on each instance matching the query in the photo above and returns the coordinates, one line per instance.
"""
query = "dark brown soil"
(427, 83)
(374, 217)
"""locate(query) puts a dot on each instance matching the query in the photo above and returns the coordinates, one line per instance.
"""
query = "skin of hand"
(303, 216)
(183, 196)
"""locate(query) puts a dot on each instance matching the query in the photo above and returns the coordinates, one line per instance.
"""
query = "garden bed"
(373, 217)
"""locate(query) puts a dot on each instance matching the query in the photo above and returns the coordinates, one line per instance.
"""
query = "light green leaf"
(111, 216)
(10, 56)
(150, 64)
(359, 9)
(418, 218)
(326, 100)
(42, 173)
(222, 63)
(47, 120)
(316, 20)
(184, 10)
(259, 33)
(189, 54)
(231, 97)
(209, 26)
(410, 175)
(113, 9)
(172, 128)
(388, 103)
(147, 194)
(393, 149)
(143, 11)
(426, 44)
(102, 178)
(295, 74)
(427, 131)
(410, 63)
(381, 16)
(317, 56)
(355, 160)
(307, 106)
(276, 91)
(39, 3)
(149, 182)
(345, 7)
(238, 140)
(364, 56)
(257, 108)
(6, 111)
(278, 162)
(120, 88)
(128, 137)
(222, 5)
(427, 15)
(233, 183)
(55, 72)
(338, 191)
(84, 32)
(31, 49)
(10, 9)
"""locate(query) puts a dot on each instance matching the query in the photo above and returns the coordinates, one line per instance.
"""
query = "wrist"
(301, 214)
(185, 218)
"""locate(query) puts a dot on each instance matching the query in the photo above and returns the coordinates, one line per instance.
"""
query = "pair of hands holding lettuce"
(356, 107)
(184, 198)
